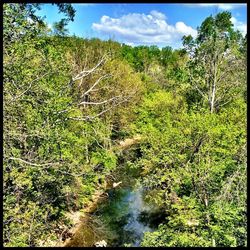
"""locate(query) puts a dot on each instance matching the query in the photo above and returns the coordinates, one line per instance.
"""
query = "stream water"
(121, 219)
(124, 216)
(136, 207)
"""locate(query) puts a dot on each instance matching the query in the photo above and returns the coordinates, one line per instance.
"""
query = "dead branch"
(193, 81)
(38, 78)
(87, 72)
(99, 103)
(34, 164)
(92, 87)
(47, 165)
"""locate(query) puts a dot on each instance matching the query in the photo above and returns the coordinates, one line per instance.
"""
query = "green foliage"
(59, 142)
(216, 66)
(46, 154)
(189, 162)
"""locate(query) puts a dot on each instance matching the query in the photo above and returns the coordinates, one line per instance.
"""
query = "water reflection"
(121, 220)
(123, 215)
(135, 224)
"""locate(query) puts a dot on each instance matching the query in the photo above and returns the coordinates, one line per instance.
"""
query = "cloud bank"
(135, 28)
(238, 25)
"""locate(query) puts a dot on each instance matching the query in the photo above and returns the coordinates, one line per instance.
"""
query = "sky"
(143, 24)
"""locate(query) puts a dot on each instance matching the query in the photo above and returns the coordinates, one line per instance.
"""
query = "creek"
(122, 218)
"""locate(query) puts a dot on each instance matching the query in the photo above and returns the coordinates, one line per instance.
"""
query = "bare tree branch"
(87, 72)
(92, 87)
(47, 165)
(34, 164)
(38, 78)
(99, 103)
(193, 81)
(87, 118)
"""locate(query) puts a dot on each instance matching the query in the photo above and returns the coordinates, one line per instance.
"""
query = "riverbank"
(81, 220)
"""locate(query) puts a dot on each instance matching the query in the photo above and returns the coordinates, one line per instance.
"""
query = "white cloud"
(49, 26)
(158, 15)
(141, 28)
(238, 25)
(221, 6)
(131, 44)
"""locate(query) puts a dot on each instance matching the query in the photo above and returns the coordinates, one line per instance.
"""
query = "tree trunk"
(213, 87)
(212, 99)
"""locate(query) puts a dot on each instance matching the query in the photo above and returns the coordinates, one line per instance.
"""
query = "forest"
(78, 112)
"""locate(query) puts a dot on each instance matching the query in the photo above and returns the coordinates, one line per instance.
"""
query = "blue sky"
(143, 24)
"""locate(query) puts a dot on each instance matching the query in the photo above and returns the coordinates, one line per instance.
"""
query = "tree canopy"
(68, 101)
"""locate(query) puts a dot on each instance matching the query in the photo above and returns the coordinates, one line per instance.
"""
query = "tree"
(194, 166)
(59, 27)
(67, 101)
(21, 22)
(216, 63)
